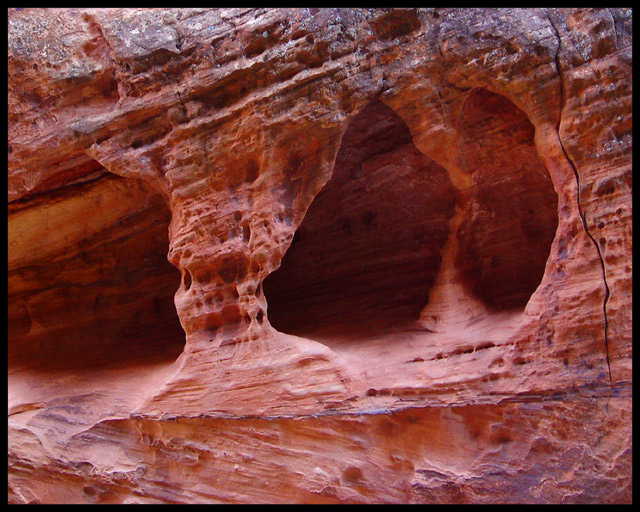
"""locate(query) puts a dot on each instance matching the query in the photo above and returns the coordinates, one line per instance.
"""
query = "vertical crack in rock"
(133, 382)
(581, 213)
(615, 29)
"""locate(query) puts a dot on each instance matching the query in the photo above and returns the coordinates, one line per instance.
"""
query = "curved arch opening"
(509, 225)
(368, 250)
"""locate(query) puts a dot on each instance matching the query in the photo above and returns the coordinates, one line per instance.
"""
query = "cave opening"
(509, 225)
(99, 294)
(370, 247)
(368, 250)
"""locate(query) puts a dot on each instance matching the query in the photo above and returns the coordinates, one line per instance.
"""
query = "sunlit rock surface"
(319, 255)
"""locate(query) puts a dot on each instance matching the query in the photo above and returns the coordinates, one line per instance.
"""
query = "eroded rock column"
(235, 220)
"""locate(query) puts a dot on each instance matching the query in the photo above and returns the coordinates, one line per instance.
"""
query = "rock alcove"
(369, 249)
(489, 376)
(97, 299)
(508, 227)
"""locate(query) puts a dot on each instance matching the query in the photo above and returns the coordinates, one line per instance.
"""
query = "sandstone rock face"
(319, 256)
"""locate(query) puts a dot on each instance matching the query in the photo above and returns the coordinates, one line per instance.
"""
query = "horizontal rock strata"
(319, 255)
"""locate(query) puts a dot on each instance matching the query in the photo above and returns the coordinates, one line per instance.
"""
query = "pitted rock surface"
(319, 255)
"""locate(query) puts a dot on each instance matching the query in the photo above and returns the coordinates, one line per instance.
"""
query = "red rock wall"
(398, 244)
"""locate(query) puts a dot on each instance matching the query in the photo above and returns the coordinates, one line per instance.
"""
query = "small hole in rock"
(187, 279)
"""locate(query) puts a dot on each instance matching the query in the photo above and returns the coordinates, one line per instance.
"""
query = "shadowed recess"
(368, 250)
(101, 292)
(507, 230)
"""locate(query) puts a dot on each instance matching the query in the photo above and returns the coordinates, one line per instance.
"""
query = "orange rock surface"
(319, 255)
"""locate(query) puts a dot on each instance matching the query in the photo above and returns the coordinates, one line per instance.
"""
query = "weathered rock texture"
(403, 250)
